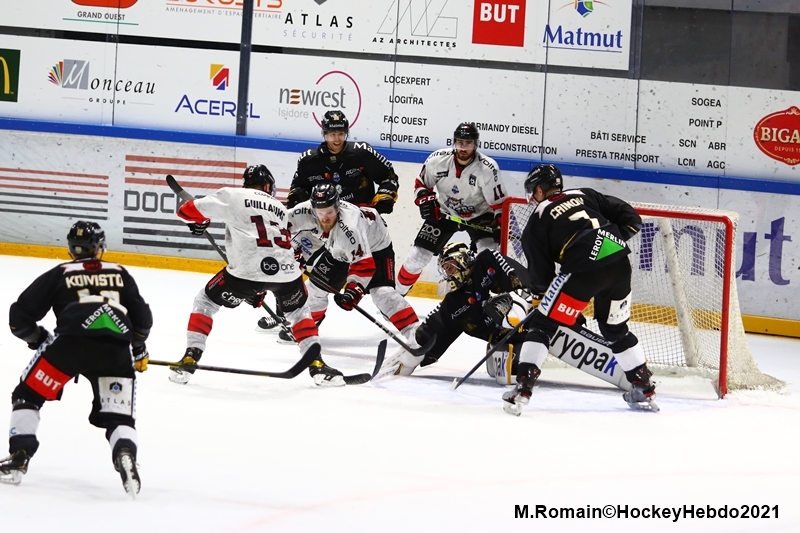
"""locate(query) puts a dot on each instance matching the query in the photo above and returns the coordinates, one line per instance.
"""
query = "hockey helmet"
(335, 121)
(455, 264)
(467, 131)
(325, 195)
(548, 177)
(86, 240)
(259, 175)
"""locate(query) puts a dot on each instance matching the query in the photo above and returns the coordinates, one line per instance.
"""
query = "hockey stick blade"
(360, 379)
(311, 354)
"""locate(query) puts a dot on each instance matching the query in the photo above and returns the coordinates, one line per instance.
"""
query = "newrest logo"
(335, 89)
(499, 23)
(220, 76)
(9, 75)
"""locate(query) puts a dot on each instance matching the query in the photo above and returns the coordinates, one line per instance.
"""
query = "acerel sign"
(778, 135)
(499, 22)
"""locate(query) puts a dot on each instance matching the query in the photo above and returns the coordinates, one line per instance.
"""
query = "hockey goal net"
(685, 308)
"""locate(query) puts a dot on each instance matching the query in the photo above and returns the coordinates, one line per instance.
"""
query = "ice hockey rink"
(239, 454)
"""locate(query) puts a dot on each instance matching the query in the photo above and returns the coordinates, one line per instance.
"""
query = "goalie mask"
(455, 264)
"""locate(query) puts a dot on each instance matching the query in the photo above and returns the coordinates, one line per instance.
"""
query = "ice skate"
(182, 372)
(643, 392)
(284, 337)
(267, 324)
(514, 400)
(13, 467)
(324, 375)
(125, 464)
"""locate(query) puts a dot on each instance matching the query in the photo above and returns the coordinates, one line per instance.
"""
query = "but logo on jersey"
(499, 23)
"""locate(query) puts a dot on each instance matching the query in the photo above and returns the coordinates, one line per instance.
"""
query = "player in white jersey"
(454, 182)
(346, 245)
(260, 259)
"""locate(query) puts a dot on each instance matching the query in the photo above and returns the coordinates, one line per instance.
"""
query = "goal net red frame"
(685, 306)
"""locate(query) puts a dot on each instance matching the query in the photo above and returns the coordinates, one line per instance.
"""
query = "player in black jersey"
(585, 232)
(100, 315)
(354, 166)
(472, 280)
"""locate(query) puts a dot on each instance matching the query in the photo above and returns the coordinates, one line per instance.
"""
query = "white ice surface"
(233, 453)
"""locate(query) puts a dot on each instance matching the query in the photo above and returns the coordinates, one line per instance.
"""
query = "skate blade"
(12, 478)
(130, 481)
(649, 405)
(274, 330)
(321, 380)
(181, 378)
(512, 408)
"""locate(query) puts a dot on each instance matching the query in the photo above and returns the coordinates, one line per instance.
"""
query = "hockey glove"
(385, 197)
(428, 206)
(36, 338)
(198, 228)
(141, 357)
(295, 196)
(498, 307)
(257, 299)
(348, 300)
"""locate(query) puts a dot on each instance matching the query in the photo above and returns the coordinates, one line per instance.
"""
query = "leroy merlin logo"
(105, 318)
(605, 244)
(9, 75)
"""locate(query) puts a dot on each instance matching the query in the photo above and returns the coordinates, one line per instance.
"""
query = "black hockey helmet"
(548, 177)
(455, 264)
(335, 121)
(86, 240)
(324, 195)
(468, 131)
(259, 175)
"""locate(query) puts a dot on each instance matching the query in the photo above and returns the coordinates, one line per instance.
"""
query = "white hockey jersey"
(467, 193)
(348, 241)
(257, 239)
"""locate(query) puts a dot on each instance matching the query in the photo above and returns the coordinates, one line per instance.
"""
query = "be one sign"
(499, 23)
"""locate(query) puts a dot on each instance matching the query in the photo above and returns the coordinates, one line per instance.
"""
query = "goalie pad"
(502, 365)
(585, 350)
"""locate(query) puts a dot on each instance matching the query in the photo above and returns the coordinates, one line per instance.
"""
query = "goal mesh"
(685, 307)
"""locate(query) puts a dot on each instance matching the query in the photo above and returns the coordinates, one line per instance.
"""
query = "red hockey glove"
(347, 300)
(428, 206)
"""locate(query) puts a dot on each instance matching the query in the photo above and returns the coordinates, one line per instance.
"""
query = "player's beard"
(469, 158)
(327, 226)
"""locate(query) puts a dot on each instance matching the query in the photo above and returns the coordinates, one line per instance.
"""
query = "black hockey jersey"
(357, 169)
(89, 297)
(491, 273)
(581, 229)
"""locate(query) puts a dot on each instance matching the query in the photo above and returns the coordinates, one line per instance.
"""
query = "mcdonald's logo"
(9, 75)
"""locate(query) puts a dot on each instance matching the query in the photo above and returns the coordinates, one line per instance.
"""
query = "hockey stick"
(422, 350)
(185, 196)
(359, 379)
(502, 342)
(311, 354)
(462, 222)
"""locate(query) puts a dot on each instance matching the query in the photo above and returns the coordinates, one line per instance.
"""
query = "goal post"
(685, 306)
